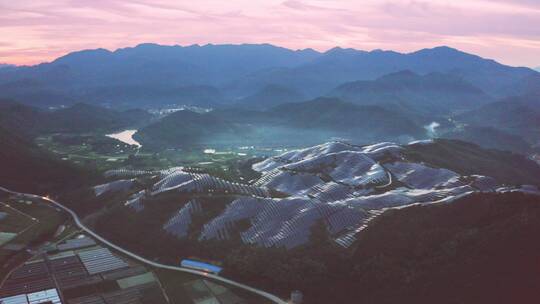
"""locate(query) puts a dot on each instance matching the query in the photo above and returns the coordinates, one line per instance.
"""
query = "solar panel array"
(348, 168)
(171, 180)
(101, 260)
(178, 224)
(347, 195)
(205, 183)
(330, 192)
(191, 182)
(380, 150)
(119, 185)
(420, 176)
(136, 201)
(281, 222)
(243, 208)
(341, 185)
(126, 173)
(349, 237)
(292, 182)
(302, 154)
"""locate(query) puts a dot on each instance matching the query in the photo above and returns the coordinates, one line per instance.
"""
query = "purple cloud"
(507, 30)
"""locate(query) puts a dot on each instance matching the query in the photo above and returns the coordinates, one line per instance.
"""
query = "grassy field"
(183, 287)
(92, 150)
(15, 221)
(34, 222)
(98, 152)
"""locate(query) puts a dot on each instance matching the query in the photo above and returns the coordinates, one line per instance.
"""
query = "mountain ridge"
(429, 93)
(241, 70)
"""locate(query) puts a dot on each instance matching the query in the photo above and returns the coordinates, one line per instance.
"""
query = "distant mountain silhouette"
(150, 73)
(160, 65)
(338, 66)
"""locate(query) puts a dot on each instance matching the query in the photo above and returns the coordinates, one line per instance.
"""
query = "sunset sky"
(34, 31)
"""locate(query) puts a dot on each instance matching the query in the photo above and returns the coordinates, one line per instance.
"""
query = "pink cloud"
(506, 30)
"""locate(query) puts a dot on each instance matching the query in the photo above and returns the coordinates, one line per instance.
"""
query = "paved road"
(79, 224)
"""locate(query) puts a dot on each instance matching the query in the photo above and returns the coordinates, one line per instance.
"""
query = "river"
(126, 136)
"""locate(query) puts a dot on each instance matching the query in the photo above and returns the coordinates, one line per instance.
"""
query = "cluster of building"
(80, 271)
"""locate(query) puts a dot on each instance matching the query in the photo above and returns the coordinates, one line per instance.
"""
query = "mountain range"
(150, 73)
(338, 66)
(433, 93)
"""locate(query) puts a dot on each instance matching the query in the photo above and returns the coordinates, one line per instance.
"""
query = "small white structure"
(296, 297)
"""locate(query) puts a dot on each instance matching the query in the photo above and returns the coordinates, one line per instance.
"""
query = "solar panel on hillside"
(179, 223)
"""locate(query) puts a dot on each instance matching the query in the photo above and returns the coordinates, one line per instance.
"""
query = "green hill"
(519, 116)
(88, 118)
(25, 167)
(186, 128)
(490, 137)
(335, 114)
(434, 93)
(79, 118)
(468, 158)
(294, 123)
(478, 249)
(271, 96)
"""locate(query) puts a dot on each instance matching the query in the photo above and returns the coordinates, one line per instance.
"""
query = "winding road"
(79, 224)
